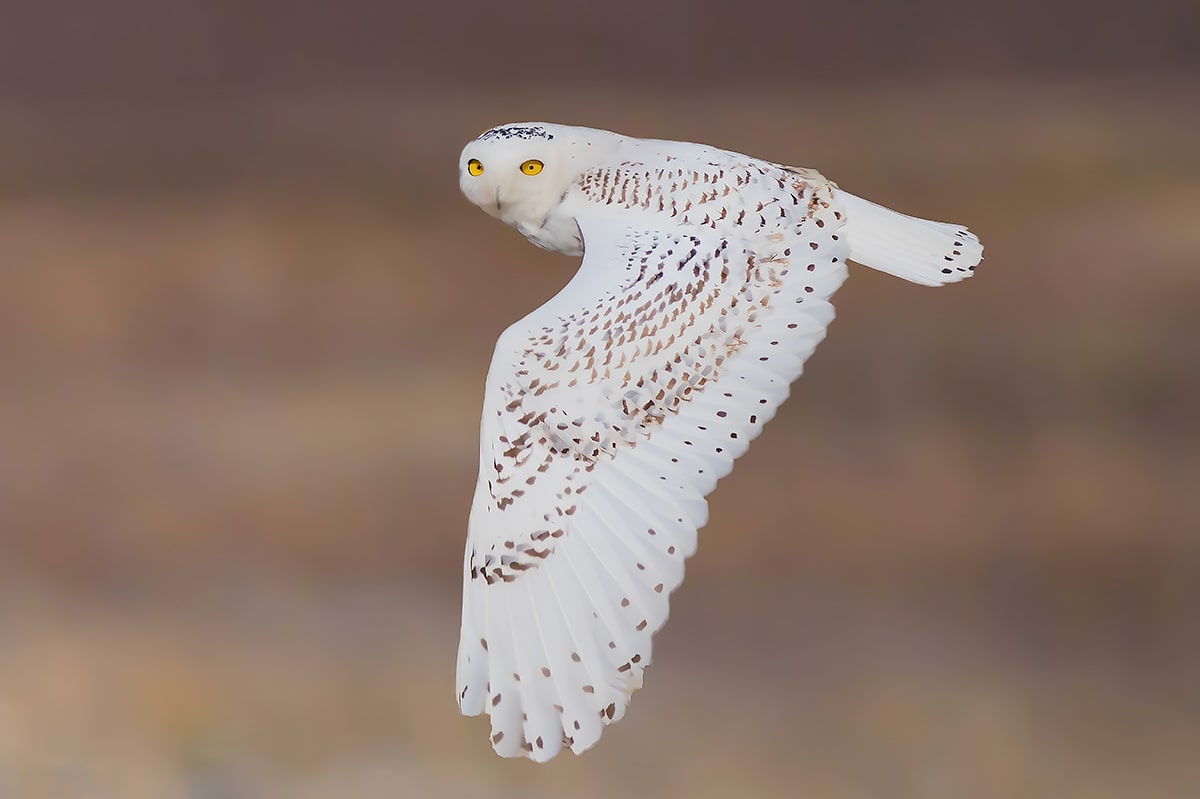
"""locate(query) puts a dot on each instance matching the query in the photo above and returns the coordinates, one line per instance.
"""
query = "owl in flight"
(611, 411)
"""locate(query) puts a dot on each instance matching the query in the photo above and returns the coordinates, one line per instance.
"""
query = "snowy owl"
(611, 411)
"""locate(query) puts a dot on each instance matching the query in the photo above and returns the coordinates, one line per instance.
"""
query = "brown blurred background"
(245, 318)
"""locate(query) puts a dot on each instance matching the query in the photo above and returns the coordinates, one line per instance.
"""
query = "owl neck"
(557, 232)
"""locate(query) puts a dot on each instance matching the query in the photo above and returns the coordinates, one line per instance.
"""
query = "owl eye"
(474, 167)
(532, 166)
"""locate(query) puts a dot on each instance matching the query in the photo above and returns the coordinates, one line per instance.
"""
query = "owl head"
(518, 172)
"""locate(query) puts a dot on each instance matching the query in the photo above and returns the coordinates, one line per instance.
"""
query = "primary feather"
(611, 411)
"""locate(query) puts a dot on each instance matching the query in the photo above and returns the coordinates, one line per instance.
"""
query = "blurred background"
(245, 318)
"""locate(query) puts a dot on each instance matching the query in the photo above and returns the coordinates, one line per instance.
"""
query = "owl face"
(513, 172)
(520, 172)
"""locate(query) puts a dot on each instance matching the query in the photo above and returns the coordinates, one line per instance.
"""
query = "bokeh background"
(245, 318)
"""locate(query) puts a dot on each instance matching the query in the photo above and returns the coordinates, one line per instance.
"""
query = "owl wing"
(610, 413)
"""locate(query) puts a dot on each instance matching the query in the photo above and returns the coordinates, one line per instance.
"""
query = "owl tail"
(925, 252)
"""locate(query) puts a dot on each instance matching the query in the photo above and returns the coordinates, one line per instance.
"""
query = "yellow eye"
(532, 166)
(474, 167)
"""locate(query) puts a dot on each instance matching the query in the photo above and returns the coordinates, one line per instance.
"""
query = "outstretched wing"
(611, 412)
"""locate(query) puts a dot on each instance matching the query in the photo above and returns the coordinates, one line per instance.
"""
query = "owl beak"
(497, 199)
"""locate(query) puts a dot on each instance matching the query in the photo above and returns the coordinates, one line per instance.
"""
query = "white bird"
(611, 411)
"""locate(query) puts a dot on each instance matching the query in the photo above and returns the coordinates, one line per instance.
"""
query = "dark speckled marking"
(516, 132)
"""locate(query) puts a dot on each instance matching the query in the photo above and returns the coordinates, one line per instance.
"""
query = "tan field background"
(245, 318)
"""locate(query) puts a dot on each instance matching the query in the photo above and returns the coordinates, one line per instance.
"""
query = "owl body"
(611, 411)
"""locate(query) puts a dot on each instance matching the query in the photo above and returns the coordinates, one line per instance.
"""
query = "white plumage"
(612, 410)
